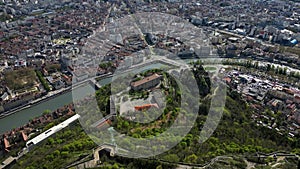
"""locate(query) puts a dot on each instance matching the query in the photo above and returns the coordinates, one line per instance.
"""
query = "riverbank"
(49, 96)
(21, 115)
(34, 102)
(68, 89)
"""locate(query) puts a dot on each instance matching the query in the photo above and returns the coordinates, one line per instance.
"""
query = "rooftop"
(145, 80)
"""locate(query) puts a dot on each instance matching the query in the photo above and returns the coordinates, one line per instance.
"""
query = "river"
(23, 116)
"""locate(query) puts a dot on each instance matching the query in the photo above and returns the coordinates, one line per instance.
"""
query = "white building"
(52, 131)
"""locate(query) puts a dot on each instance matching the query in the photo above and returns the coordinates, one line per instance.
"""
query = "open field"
(20, 80)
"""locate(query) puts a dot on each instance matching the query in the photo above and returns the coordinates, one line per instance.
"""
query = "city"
(55, 56)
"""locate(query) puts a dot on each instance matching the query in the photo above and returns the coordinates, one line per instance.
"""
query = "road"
(241, 36)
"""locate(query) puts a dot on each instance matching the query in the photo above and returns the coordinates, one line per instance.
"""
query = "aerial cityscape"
(149, 84)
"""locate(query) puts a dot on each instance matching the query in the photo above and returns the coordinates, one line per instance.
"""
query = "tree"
(46, 112)
(49, 126)
(192, 159)
(268, 67)
(115, 166)
(51, 141)
(159, 167)
(50, 157)
(56, 153)
(64, 154)
(285, 71)
(272, 67)
(256, 65)
(171, 158)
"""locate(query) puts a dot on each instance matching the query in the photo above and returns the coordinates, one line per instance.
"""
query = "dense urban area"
(252, 46)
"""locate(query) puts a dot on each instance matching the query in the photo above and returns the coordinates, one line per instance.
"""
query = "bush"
(43, 81)
(64, 154)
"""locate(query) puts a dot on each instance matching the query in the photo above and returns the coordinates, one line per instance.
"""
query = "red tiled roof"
(6, 143)
(145, 80)
(227, 79)
(24, 136)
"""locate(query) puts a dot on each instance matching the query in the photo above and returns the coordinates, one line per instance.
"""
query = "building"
(4, 96)
(186, 54)
(8, 162)
(145, 107)
(51, 131)
(20, 63)
(56, 82)
(146, 83)
(6, 144)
